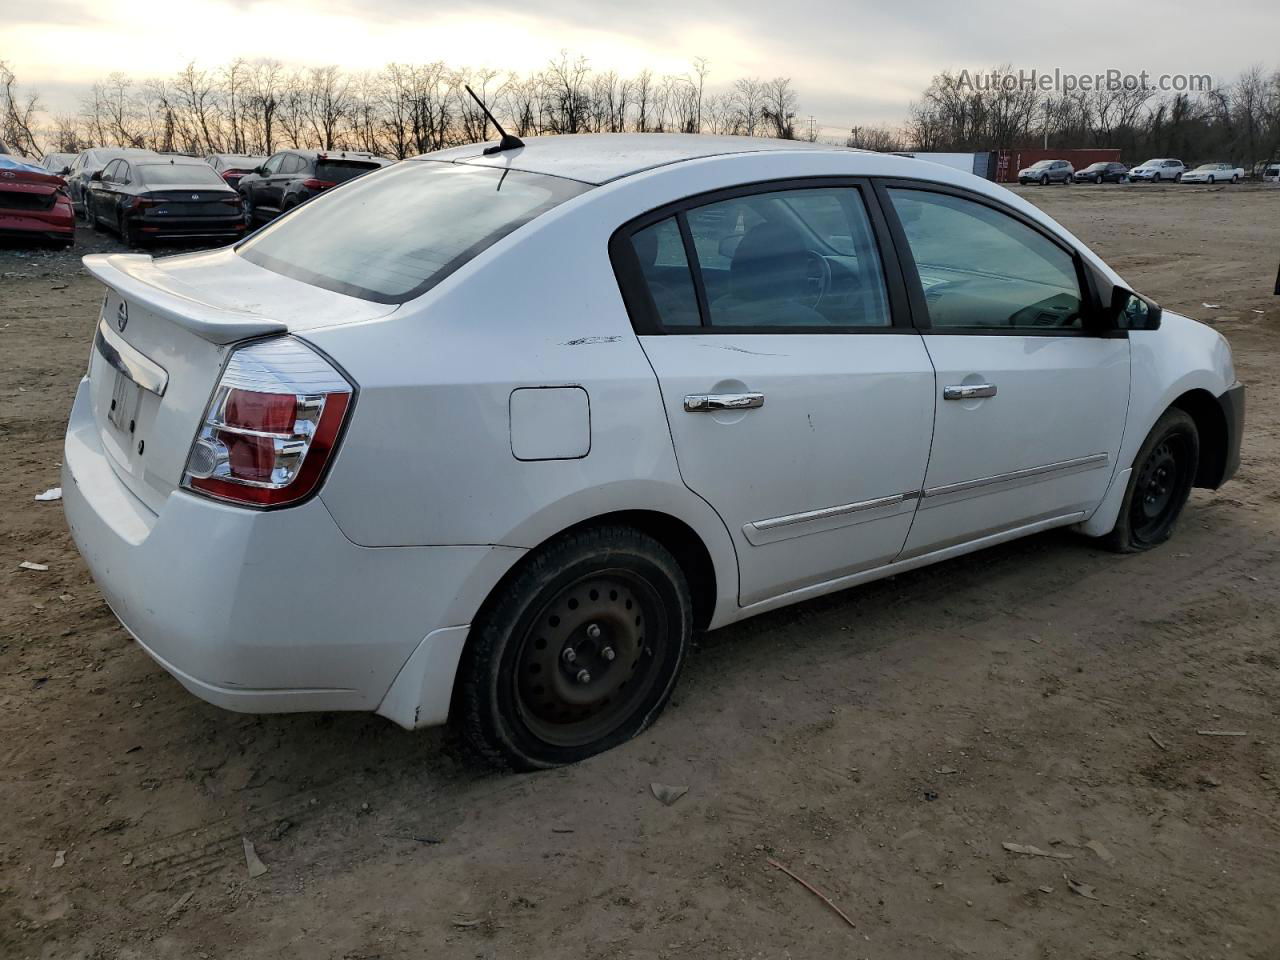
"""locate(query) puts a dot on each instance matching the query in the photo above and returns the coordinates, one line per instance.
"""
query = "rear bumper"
(191, 228)
(274, 611)
(54, 224)
(1232, 403)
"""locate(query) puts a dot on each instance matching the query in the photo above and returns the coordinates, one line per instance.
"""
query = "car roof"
(601, 157)
(161, 160)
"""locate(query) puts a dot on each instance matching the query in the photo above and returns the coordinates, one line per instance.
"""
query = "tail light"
(271, 426)
(232, 201)
(311, 183)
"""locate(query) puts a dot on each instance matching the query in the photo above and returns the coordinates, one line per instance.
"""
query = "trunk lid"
(164, 333)
(26, 190)
(192, 201)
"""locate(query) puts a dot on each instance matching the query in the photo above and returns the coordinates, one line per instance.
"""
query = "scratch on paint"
(582, 341)
(727, 346)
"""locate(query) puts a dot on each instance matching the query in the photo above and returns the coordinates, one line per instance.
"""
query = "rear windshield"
(160, 174)
(340, 171)
(393, 235)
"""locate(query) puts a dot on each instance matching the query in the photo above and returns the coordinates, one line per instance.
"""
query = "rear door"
(1030, 402)
(799, 399)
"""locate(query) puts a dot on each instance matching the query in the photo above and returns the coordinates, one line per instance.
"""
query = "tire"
(128, 233)
(1177, 178)
(1235, 178)
(1211, 181)
(1098, 179)
(537, 688)
(1044, 179)
(1163, 473)
(248, 209)
(1155, 178)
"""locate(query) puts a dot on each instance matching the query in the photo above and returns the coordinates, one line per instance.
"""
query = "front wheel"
(1044, 179)
(577, 653)
(1098, 179)
(1163, 473)
(1211, 178)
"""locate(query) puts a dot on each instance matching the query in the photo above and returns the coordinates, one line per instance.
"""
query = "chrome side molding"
(711, 402)
(129, 361)
(1062, 466)
(827, 513)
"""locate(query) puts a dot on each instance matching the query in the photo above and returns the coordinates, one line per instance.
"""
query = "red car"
(34, 204)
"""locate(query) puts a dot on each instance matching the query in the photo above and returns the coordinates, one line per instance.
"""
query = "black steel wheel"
(577, 652)
(1163, 473)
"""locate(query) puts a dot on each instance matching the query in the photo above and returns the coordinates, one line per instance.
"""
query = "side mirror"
(260, 171)
(1133, 311)
(64, 171)
(96, 175)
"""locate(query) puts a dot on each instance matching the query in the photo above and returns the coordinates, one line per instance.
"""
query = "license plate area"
(122, 412)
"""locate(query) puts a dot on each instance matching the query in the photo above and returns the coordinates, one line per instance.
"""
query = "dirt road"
(881, 743)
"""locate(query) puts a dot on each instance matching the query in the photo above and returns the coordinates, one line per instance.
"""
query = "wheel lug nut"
(607, 653)
(593, 631)
(584, 676)
(570, 655)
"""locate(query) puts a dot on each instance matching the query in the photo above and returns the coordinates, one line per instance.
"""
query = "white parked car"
(1271, 173)
(1214, 173)
(1159, 169)
(488, 436)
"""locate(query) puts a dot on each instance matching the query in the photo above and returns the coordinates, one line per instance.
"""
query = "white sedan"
(1214, 173)
(487, 436)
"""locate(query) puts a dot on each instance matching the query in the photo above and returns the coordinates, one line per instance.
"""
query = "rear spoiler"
(135, 276)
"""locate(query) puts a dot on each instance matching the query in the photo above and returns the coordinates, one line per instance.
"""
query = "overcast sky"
(850, 62)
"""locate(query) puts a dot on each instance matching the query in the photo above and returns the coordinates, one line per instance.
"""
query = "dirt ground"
(881, 743)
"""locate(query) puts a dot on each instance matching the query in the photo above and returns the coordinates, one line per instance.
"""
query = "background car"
(232, 166)
(1156, 170)
(58, 163)
(1271, 172)
(291, 177)
(1103, 172)
(1214, 173)
(89, 162)
(34, 204)
(552, 472)
(1045, 172)
(147, 197)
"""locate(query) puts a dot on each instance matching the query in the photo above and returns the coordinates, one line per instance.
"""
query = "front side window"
(272, 166)
(803, 258)
(983, 269)
(392, 235)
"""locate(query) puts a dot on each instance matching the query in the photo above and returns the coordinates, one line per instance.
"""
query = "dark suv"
(291, 177)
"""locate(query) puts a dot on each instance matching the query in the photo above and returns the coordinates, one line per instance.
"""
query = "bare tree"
(779, 107)
(17, 114)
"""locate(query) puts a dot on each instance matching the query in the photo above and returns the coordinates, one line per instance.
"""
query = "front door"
(1030, 403)
(799, 410)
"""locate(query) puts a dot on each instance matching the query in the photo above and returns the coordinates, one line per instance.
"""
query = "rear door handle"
(710, 402)
(969, 391)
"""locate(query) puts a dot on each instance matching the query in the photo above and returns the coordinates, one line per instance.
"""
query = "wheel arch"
(675, 534)
(1211, 425)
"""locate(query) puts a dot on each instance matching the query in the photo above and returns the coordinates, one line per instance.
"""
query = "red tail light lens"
(311, 183)
(271, 427)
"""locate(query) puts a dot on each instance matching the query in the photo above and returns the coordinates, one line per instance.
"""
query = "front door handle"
(969, 391)
(710, 402)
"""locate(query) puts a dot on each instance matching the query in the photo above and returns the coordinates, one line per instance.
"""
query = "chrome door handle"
(710, 402)
(969, 391)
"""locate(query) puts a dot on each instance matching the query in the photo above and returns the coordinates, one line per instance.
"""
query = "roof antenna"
(508, 142)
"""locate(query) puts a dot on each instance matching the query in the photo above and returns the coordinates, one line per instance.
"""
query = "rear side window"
(786, 259)
(981, 268)
(660, 250)
(391, 236)
(340, 171)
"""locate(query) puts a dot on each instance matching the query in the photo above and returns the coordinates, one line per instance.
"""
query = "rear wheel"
(128, 232)
(578, 654)
(1163, 473)
(1235, 178)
